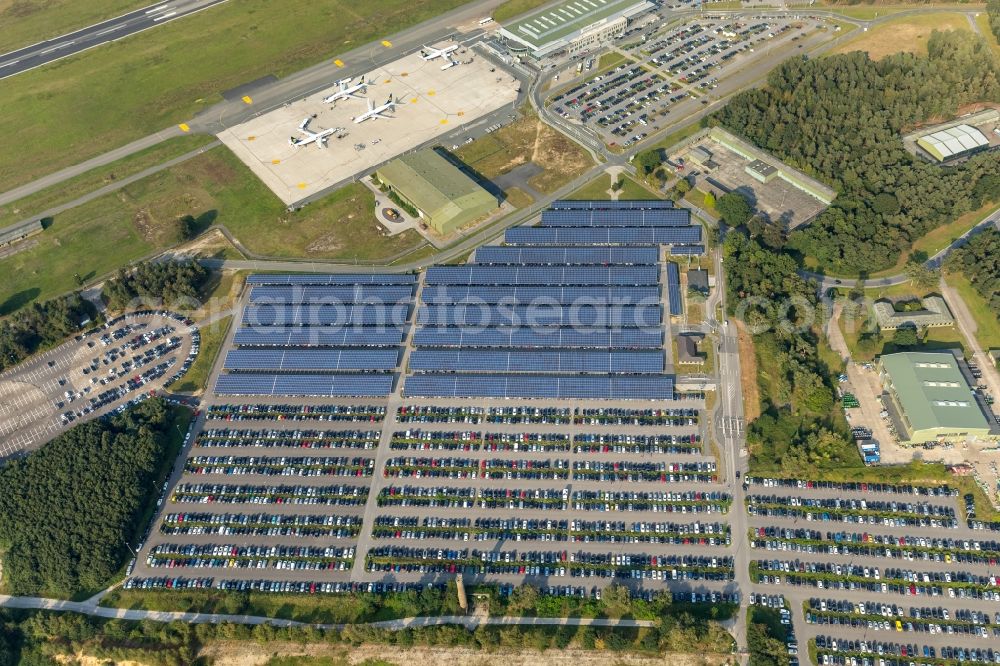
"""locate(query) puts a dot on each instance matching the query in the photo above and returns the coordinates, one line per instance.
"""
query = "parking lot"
(670, 74)
(878, 572)
(96, 373)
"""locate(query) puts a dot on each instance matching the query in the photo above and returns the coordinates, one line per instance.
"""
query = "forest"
(40, 326)
(840, 118)
(979, 261)
(795, 433)
(67, 509)
(993, 13)
(171, 283)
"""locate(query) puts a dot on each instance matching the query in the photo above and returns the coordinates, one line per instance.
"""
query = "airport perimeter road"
(56, 48)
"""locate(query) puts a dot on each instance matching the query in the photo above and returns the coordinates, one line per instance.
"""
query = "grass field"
(513, 8)
(673, 138)
(987, 326)
(983, 21)
(596, 189)
(871, 11)
(140, 219)
(612, 59)
(518, 198)
(82, 106)
(96, 178)
(525, 140)
(697, 197)
(909, 35)
(633, 190)
(195, 380)
(24, 22)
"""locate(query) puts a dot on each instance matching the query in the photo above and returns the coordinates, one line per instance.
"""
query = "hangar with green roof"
(571, 25)
(445, 197)
(929, 399)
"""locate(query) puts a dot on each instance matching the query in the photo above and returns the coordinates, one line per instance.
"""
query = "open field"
(96, 178)
(525, 140)
(633, 190)
(909, 35)
(80, 107)
(24, 22)
(215, 187)
(512, 8)
(873, 10)
(596, 189)
(670, 140)
(987, 326)
(983, 21)
(697, 197)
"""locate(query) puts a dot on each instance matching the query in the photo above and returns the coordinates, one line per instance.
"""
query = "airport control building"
(572, 25)
(445, 197)
(929, 399)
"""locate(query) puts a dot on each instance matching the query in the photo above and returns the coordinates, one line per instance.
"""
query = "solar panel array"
(319, 335)
(572, 309)
(674, 289)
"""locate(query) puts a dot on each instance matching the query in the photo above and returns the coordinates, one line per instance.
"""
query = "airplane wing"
(304, 124)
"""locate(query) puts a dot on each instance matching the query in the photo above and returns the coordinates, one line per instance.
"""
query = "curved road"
(90, 607)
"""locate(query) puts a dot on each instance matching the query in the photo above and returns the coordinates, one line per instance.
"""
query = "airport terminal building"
(445, 197)
(573, 25)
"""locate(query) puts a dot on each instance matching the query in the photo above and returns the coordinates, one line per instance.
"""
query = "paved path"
(967, 325)
(90, 607)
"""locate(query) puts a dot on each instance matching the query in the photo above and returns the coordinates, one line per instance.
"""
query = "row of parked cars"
(278, 412)
(424, 440)
(855, 648)
(225, 493)
(302, 439)
(280, 466)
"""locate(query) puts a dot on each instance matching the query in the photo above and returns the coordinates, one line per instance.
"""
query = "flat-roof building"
(20, 231)
(698, 280)
(444, 196)
(761, 170)
(687, 349)
(929, 398)
(953, 142)
(572, 25)
(935, 312)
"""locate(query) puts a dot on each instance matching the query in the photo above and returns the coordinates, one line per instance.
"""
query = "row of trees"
(841, 118)
(67, 509)
(993, 13)
(796, 433)
(39, 326)
(979, 261)
(168, 282)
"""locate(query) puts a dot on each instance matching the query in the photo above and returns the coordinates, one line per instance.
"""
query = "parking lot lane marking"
(386, 43)
(338, 62)
(184, 127)
(247, 99)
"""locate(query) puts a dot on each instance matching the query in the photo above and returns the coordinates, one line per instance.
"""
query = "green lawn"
(84, 105)
(983, 21)
(24, 22)
(673, 138)
(596, 189)
(987, 326)
(514, 8)
(215, 187)
(195, 380)
(868, 12)
(94, 179)
(633, 190)
(612, 59)
(697, 197)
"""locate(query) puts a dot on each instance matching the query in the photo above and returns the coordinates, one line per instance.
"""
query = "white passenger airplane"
(319, 138)
(347, 90)
(429, 52)
(374, 112)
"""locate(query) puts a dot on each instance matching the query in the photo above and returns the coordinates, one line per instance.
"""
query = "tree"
(682, 187)
(905, 337)
(885, 203)
(647, 161)
(187, 227)
(921, 276)
(709, 200)
(734, 209)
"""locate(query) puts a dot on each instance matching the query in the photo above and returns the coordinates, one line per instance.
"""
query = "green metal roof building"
(929, 398)
(445, 196)
(572, 25)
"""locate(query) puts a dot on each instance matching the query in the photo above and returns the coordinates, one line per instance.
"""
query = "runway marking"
(57, 47)
(158, 8)
(104, 32)
(386, 43)
(184, 127)
(338, 63)
(165, 16)
(247, 99)
(8, 64)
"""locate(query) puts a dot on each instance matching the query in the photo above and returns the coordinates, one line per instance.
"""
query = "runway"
(50, 50)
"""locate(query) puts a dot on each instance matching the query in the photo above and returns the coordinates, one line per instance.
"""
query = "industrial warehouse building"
(573, 25)
(953, 142)
(445, 197)
(929, 399)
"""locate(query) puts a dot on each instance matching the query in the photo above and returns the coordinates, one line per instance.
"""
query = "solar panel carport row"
(568, 256)
(603, 236)
(524, 337)
(479, 360)
(318, 336)
(664, 217)
(332, 279)
(583, 204)
(626, 316)
(451, 294)
(542, 275)
(641, 387)
(688, 250)
(340, 314)
(300, 360)
(674, 289)
(327, 386)
(333, 294)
